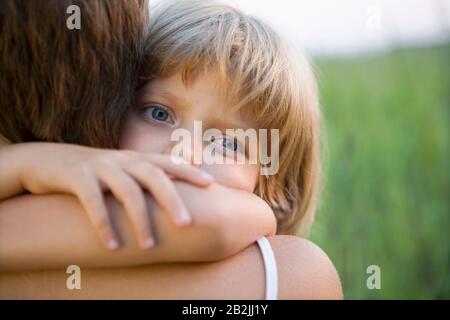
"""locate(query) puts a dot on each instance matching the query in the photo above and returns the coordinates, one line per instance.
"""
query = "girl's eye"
(229, 143)
(158, 113)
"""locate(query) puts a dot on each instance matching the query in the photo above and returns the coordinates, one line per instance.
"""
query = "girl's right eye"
(158, 113)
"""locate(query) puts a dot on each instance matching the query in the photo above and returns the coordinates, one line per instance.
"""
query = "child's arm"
(304, 272)
(44, 168)
(52, 231)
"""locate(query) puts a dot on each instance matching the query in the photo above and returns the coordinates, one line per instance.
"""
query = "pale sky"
(351, 26)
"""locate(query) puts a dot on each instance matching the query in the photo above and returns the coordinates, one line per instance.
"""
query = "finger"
(180, 169)
(91, 198)
(129, 193)
(162, 189)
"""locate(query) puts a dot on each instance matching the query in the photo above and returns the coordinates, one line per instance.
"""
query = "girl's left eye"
(158, 113)
(230, 143)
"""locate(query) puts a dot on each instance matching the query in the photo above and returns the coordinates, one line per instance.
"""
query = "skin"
(88, 172)
(184, 104)
(304, 270)
(58, 232)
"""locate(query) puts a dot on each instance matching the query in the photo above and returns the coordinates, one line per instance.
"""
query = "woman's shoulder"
(304, 270)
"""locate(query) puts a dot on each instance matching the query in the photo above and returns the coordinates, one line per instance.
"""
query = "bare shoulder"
(304, 270)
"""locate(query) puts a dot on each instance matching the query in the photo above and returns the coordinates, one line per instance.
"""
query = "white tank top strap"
(270, 267)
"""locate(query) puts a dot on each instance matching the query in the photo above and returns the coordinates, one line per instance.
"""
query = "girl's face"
(166, 104)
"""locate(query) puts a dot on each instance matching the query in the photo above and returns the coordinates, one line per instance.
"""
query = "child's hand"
(87, 172)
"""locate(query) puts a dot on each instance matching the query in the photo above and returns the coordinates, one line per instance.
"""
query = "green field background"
(386, 189)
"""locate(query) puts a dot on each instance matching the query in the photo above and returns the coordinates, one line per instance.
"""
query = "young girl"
(206, 62)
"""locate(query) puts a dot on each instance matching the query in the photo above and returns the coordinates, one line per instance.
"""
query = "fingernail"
(148, 243)
(112, 244)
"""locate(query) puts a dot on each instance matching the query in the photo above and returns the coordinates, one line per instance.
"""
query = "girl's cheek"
(141, 137)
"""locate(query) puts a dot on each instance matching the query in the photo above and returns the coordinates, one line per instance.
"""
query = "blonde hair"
(257, 70)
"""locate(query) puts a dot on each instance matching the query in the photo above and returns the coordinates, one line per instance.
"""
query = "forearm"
(42, 232)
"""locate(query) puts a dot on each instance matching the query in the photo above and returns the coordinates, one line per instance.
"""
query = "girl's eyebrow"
(174, 100)
(223, 124)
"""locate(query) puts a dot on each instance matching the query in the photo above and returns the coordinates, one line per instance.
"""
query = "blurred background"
(384, 75)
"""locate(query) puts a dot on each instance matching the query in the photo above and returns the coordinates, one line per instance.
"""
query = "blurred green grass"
(385, 198)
